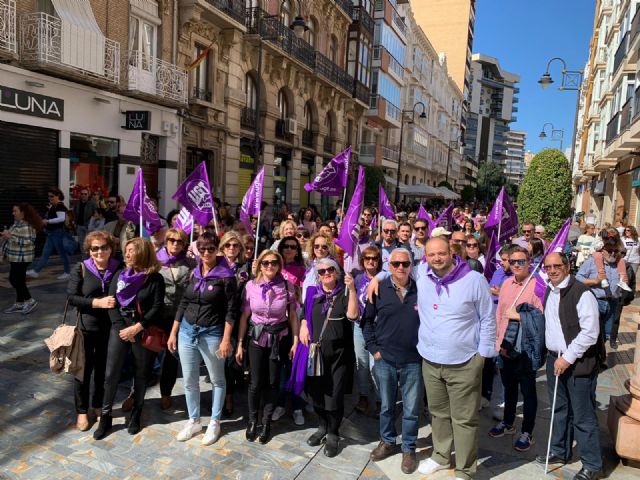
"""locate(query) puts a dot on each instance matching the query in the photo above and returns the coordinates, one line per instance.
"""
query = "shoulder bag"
(315, 365)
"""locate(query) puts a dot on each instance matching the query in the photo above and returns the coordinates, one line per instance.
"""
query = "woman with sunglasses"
(139, 294)
(370, 266)
(319, 246)
(88, 291)
(475, 249)
(302, 235)
(270, 302)
(630, 242)
(204, 324)
(327, 326)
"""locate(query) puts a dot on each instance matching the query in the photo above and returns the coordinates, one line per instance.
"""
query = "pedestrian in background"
(319, 246)
(631, 245)
(83, 211)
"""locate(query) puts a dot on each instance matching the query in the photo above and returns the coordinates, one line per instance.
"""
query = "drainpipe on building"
(174, 34)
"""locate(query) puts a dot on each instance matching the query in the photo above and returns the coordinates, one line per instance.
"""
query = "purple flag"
(184, 221)
(503, 212)
(446, 215)
(350, 229)
(557, 246)
(384, 206)
(195, 194)
(140, 205)
(491, 262)
(252, 200)
(332, 180)
(422, 214)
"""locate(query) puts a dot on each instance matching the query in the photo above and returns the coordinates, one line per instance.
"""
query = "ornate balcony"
(234, 8)
(8, 44)
(156, 80)
(361, 93)
(50, 44)
(248, 118)
(361, 16)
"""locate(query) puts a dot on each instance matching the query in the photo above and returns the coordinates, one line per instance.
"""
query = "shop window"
(93, 165)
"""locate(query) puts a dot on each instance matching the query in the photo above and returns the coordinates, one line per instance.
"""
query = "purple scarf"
(327, 296)
(221, 270)
(268, 286)
(129, 283)
(460, 270)
(165, 259)
(105, 278)
(299, 365)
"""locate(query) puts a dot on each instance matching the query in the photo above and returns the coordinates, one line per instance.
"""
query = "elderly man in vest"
(572, 335)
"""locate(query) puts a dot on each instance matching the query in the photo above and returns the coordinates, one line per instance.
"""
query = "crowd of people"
(409, 313)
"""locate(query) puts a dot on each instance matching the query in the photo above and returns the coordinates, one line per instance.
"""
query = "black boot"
(251, 431)
(331, 446)
(133, 426)
(104, 427)
(317, 438)
(265, 433)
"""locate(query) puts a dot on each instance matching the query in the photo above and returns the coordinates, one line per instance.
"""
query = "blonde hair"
(146, 260)
(309, 245)
(287, 223)
(226, 238)
(257, 273)
(180, 233)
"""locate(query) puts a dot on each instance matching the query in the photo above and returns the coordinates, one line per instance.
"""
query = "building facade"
(514, 160)
(492, 106)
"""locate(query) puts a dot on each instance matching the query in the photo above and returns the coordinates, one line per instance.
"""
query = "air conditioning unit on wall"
(290, 126)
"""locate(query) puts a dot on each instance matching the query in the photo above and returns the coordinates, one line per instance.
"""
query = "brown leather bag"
(66, 347)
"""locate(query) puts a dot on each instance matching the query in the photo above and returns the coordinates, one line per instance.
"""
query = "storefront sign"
(137, 120)
(27, 103)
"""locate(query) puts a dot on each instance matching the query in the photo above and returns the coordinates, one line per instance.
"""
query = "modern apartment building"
(514, 160)
(493, 99)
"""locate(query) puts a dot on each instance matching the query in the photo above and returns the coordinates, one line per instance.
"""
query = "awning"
(421, 190)
(448, 194)
(77, 12)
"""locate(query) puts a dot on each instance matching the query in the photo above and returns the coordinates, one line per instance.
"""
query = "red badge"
(435, 306)
(210, 287)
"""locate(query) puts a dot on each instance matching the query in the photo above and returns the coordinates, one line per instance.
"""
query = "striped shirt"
(21, 246)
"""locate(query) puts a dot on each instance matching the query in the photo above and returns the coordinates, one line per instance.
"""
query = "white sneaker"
(213, 433)
(190, 429)
(64, 276)
(277, 414)
(429, 466)
(624, 286)
(32, 274)
(298, 417)
(16, 307)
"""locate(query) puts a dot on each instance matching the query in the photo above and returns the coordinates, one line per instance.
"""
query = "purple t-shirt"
(271, 311)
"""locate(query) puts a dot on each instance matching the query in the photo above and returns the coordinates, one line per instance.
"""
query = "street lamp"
(554, 133)
(411, 112)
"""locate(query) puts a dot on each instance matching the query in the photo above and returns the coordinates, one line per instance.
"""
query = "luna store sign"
(27, 103)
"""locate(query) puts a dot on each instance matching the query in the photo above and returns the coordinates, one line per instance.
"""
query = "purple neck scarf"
(221, 270)
(129, 284)
(268, 286)
(328, 296)
(166, 260)
(105, 278)
(460, 270)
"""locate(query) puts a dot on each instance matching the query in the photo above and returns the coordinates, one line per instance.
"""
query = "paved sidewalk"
(38, 438)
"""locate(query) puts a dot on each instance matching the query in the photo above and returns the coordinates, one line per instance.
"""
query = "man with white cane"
(572, 336)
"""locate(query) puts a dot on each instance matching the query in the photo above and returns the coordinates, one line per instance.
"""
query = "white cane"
(553, 410)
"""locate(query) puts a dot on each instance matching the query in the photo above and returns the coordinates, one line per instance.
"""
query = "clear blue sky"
(523, 35)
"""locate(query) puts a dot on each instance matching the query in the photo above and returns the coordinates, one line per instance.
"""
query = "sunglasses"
(419, 229)
(99, 248)
(370, 259)
(232, 245)
(389, 231)
(460, 242)
(527, 231)
(207, 249)
(321, 247)
(301, 235)
(396, 264)
(179, 241)
(556, 266)
(518, 262)
(326, 271)
(472, 245)
(290, 246)
(270, 263)
(249, 247)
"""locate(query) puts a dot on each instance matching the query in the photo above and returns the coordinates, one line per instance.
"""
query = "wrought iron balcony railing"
(613, 127)
(148, 75)
(234, 8)
(202, 94)
(361, 92)
(307, 138)
(248, 118)
(8, 43)
(346, 6)
(621, 52)
(48, 42)
(361, 16)
(625, 115)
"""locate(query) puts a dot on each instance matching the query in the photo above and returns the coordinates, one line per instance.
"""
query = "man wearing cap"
(440, 232)
(389, 242)
(539, 232)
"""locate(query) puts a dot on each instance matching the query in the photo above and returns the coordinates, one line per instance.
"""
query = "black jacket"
(216, 304)
(150, 298)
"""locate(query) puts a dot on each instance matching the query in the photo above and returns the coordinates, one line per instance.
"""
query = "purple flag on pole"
(350, 230)
(150, 218)
(491, 263)
(503, 212)
(422, 214)
(195, 194)
(446, 215)
(332, 180)
(557, 246)
(184, 221)
(252, 200)
(384, 206)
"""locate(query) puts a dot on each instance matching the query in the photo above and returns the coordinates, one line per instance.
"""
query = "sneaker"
(16, 307)
(429, 466)
(64, 276)
(624, 286)
(501, 429)
(497, 412)
(524, 442)
(613, 343)
(213, 433)
(484, 403)
(298, 417)
(190, 429)
(32, 274)
(278, 414)
(29, 306)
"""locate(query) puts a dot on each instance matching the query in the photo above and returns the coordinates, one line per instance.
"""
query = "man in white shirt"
(572, 337)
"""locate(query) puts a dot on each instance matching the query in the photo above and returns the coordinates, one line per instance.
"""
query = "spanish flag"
(200, 58)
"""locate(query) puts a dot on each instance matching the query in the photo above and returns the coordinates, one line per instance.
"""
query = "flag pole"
(344, 199)
(215, 220)
(255, 250)
(141, 195)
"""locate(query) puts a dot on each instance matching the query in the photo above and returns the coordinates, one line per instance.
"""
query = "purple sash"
(221, 270)
(267, 286)
(165, 259)
(129, 284)
(112, 266)
(299, 365)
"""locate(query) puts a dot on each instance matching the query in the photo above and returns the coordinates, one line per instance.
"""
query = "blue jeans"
(608, 310)
(410, 377)
(575, 414)
(194, 345)
(53, 243)
(364, 365)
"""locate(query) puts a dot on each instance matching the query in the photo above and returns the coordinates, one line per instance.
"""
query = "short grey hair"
(329, 262)
(401, 250)
(391, 221)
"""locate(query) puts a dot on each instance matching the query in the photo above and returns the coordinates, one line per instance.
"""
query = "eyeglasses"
(179, 241)
(207, 249)
(396, 264)
(472, 245)
(248, 247)
(366, 214)
(460, 242)
(370, 259)
(290, 246)
(557, 266)
(326, 271)
(99, 248)
(301, 235)
(324, 248)
(519, 262)
(419, 229)
(232, 245)
(270, 263)
(389, 231)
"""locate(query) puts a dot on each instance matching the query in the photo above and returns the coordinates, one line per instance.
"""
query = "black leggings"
(169, 374)
(265, 380)
(95, 354)
(116, 354)
(18, 280)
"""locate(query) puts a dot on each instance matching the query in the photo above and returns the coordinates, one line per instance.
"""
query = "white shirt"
(588, 316)
(632, 255)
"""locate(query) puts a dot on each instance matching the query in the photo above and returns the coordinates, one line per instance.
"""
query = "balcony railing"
(612, 127)
(368, 150)
(625, 115)
(48, 42)
(8, 45)
(393, 111)
(148, 75)
(361, 15)
(636, 103)
(394, 65)
(635, 26)
(346, 6)
(333, 72)
(202, 94)
(307, 138)
(328, 144)
(395, 16)
(361, 92)
(621, 52)
(234, 8)
(248, 118)
(389, 153)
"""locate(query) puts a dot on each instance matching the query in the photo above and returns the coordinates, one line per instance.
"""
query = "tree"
(490, 179)
(374, 176)
(545, 193)
(446, 184)
(468, 193)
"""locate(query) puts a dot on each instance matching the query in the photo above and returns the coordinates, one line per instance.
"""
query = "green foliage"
(468, 193)
(374, 176)
(545, 194)
(490, 179)
(446, 184)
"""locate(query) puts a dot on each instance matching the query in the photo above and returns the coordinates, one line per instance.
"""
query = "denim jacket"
(530, 339)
